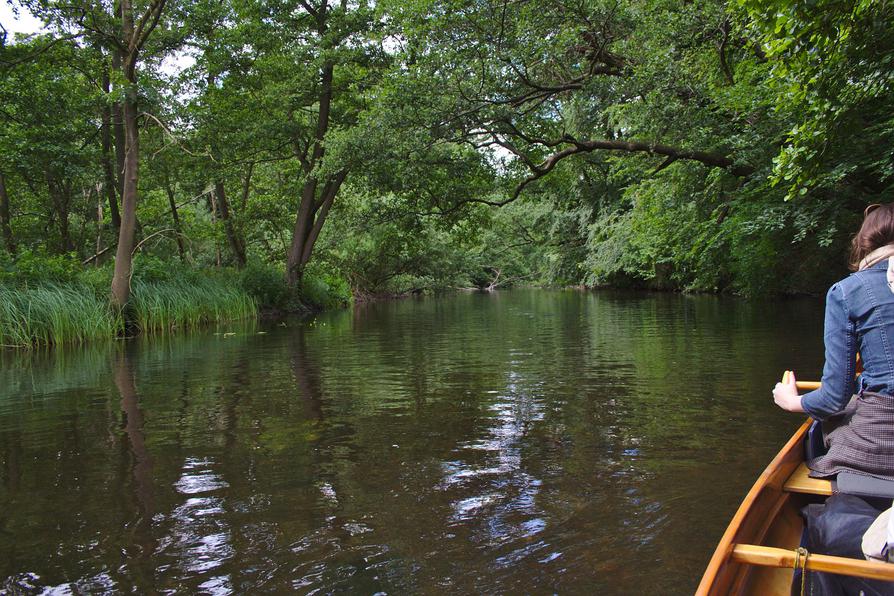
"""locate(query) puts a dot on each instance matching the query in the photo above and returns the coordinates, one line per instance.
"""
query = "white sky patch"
(23, 22)
(176, 62)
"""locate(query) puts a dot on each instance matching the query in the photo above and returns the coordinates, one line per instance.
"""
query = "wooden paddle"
(801, 385)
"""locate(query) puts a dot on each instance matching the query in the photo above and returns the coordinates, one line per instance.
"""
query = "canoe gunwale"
(740, 562)
(721, 573)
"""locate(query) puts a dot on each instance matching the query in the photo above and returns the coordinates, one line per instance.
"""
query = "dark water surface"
(526, 441)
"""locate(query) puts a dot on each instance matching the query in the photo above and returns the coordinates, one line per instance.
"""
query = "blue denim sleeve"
(841, 353)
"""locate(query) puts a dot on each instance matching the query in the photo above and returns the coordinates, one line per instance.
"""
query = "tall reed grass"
(163, 306)
(54, 314)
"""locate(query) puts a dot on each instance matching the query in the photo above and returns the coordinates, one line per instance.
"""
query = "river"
(525, 441)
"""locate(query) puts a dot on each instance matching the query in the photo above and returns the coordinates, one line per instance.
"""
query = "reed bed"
(161, 307)
(50, 314)
(73, 313)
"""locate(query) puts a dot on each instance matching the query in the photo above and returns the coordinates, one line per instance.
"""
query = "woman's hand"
(786, 395)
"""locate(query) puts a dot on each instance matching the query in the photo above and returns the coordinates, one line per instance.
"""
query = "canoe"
(758, 552)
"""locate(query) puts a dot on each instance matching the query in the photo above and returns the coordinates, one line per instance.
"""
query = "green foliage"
(734, 145)
(33, 266)
(833, 78)
(50, 300)
(323, 289)
(266, 284)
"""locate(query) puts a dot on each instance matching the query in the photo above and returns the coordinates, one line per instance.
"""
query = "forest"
(169, 162)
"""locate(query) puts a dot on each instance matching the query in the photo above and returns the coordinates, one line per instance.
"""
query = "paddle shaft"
(802, 385)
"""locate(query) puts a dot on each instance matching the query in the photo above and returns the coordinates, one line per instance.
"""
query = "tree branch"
(310, 9)
(39, 51)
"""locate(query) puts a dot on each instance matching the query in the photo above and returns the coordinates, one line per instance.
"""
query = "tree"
(332, 28)
(123, 28)
(833, 79)
(541, 84)
(48, 155)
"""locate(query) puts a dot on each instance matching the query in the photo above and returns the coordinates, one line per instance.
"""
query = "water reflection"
(493, 488)
(141, 550)
(133, 429)
(526, 441)
(199, 537)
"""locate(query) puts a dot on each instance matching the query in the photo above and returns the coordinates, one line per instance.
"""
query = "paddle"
(802, 385)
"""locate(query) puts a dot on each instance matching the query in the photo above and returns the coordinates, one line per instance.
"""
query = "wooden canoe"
(757, 553)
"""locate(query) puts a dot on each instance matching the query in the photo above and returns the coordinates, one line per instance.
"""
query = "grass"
(54, 314)
(72, 313)
(163, 306)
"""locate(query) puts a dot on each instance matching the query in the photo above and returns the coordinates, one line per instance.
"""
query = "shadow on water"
(520, 441)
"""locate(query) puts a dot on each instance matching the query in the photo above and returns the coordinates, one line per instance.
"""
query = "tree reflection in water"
(522, 442)
(142, 551)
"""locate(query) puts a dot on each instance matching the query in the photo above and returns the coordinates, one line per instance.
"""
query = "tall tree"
(123, 27)
(331, 26)
(134, 32)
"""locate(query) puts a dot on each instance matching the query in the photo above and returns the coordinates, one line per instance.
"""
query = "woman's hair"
(877, 231)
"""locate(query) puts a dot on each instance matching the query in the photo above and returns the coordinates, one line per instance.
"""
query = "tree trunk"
(99, 218)
(123, 256)
(176, 217)
(237, 245)
(294, 269)
(309, 206)
(223, 210)
(5, 218)
(110, 185)
(330, 190)
(246, 185)
(60, 197)
(212, 209)
(117, 114)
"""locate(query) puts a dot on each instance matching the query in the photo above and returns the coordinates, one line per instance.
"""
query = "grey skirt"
(860, 439)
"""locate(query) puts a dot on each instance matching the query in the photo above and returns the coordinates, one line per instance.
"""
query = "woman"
(859, 319)
(858, 429)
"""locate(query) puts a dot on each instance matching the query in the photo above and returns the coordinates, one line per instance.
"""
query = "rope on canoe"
(801, 556)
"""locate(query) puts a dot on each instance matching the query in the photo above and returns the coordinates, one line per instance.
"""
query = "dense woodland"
(240, 154)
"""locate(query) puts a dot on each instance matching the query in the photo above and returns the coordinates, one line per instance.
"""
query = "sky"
(24, 23)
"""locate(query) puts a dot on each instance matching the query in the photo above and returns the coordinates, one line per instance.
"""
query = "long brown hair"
(877, 231)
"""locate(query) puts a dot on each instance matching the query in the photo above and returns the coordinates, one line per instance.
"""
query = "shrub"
(31, 267)
(266, 284)
(324, 289)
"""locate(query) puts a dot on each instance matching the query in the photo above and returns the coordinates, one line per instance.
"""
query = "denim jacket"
(859, 318)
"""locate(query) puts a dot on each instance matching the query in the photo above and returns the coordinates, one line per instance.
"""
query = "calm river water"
(525, 441)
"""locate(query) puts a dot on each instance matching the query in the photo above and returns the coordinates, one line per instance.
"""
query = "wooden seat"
(801, 482)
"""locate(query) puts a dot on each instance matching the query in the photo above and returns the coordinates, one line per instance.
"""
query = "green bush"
(31, 267)
(266, 284)
(323, 289)
(98, 279)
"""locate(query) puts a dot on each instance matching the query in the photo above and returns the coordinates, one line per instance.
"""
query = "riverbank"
(46, 302)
